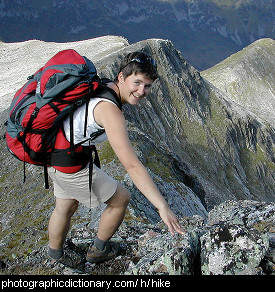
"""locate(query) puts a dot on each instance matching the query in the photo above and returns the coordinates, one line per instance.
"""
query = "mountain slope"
(247, 77)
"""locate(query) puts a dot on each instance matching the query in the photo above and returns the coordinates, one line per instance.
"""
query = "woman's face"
(134, 87)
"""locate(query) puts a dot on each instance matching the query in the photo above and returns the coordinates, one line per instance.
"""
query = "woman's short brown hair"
(139, 62)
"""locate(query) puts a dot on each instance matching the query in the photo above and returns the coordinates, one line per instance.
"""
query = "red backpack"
(34, 127)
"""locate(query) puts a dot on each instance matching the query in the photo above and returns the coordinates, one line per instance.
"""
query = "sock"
(55, 253)
(100, 244)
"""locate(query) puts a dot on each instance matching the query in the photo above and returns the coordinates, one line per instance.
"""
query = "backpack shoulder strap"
(110, 94)
(103, 92)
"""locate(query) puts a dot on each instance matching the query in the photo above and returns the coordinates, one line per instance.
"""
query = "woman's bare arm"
(112, 120)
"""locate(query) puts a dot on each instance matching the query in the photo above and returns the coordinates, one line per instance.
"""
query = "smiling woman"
(136, 75)
(133, 88)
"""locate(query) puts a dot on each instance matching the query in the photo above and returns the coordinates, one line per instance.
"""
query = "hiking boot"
(111, 251)
(69, 259)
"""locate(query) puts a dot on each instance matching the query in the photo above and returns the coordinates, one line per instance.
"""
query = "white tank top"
(79, 122)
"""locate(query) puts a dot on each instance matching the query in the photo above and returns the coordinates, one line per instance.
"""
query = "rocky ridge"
(246, 75)
(201, 148)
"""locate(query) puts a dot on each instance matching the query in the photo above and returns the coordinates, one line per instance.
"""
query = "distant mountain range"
(205, 31)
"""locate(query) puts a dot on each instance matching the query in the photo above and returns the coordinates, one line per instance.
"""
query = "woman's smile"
(134, 88)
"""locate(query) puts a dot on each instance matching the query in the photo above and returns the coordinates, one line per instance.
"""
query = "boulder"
(229, 249)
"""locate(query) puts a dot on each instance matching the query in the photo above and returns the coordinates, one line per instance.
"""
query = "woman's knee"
(120, 198)
(125, 194)
(66, 207)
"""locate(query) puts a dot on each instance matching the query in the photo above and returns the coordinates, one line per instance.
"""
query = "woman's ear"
(120, 77)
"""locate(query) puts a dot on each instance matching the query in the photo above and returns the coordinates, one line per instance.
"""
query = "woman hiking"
(134, 80)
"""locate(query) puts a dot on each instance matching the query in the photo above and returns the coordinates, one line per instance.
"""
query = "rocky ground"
(237, 239)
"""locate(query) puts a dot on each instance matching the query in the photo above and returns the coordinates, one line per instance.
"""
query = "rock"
(147, 236)
(254, 218)
(164, 254)
(251, 271)
(231, 242)
(268, 262)
(228, 249)
(2, 265)
(271, 251)
(258, 215)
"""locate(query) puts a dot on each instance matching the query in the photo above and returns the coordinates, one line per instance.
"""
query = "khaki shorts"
(76, 186)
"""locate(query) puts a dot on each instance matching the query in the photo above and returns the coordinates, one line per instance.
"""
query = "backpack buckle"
(35, 113)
